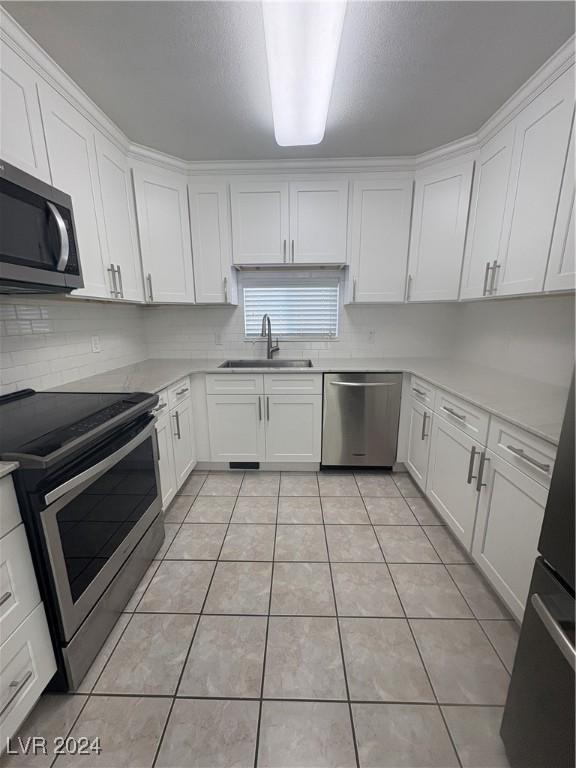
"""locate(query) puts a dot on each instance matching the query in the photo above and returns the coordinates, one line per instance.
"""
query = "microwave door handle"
(100, 467)
(62, 262)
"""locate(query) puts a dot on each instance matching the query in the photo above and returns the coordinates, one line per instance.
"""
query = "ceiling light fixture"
(302, 41)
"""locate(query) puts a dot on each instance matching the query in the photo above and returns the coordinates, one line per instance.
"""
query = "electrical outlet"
(96, 344)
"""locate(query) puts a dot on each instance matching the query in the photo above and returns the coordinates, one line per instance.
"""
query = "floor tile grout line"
(194, 633)
(261, 699)
(72, 726)
(344, 670)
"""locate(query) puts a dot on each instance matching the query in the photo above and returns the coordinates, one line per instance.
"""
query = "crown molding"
(12, 34)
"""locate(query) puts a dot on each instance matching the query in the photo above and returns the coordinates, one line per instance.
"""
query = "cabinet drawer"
(530, 454)
(18, 588)
(162, 407)
(27, 664)
(178, 392)
(10, 516)
(469, 418)
(293, 384)
(422, 392)
(234, 384)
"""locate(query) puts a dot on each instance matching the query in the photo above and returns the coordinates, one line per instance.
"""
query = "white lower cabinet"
(236, 427)
(510, 514)
(293, 427)
(452, 476)
(166, 464)
(183, 440)
(419, 426)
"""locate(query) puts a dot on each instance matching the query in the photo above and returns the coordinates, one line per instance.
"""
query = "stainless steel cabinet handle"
(284, 251)
(523, 455)
(150, 291)
(471, 476)
(267, 409)
(159, 408)
(17, 686)
(5, 597)
(114, 288)
(120, 284)
(454, 413)
(176, 416)
(486, 274)
(554, 630)
(259, 408)
(419, 392)
(354, 289)
(362, 383)
(64, 253)
(292, 247)
(409, 288)
(225, 290)
(424, 420)
(495, 267)
(483, 461)
(182, 391)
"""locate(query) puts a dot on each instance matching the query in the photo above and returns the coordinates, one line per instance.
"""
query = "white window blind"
(297, 307)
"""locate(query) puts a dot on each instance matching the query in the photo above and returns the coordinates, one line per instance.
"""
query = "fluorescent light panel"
(302, 41)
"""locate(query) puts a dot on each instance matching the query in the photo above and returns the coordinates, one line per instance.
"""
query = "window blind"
(295, 309)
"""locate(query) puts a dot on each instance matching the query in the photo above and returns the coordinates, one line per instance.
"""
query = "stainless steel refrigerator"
(539, 718)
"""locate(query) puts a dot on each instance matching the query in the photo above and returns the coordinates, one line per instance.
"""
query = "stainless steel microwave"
(38, 244)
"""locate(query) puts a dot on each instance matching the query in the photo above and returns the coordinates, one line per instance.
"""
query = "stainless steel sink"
(266, 364)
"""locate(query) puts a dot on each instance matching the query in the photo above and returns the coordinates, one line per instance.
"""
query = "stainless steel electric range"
(88, 490)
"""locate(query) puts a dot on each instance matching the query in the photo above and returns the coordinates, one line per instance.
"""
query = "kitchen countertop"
(6, 467)
(532, 405)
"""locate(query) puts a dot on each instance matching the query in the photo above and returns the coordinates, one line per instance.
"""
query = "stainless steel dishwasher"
(360, 421)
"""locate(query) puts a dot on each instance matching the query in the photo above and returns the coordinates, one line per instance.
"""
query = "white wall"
(46, 342)
(532, 337)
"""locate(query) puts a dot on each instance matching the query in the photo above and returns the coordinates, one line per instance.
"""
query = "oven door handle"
(100, 467)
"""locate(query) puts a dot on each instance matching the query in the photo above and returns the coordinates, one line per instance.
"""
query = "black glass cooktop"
(40, 423)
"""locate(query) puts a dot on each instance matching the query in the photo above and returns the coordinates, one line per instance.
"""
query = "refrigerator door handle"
(554, 630)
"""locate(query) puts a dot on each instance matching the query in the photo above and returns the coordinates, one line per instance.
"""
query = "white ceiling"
(190, 79)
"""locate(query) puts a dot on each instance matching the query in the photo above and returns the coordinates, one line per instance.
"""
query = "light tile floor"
(299, 620)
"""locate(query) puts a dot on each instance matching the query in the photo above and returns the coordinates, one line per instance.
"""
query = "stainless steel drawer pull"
(424, 420)
(483, 462)
(362, 383)
(495, 267)
(225, 290)
(5, 597)
(486, 274)
(150, 291)
(159, 408)
(354, 289)
(284, 251)
(419, 392)
(521, 453)
(114, 289)
(259, 408)
(554, 630)
(453, 413)
(471, 476)
(16, 686)
(267, 409)
(182, 391)
(120, 284)
(292, 251)
(177, 420)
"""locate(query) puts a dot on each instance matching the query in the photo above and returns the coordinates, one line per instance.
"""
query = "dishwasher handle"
(363, 383)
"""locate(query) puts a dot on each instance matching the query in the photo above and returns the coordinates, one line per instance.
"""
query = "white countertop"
(530, 404)
(6, 467)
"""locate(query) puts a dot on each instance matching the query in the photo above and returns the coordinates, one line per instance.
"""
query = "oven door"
(95, 517)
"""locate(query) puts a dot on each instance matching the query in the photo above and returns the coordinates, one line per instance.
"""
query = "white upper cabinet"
(561, 273)
(21, 135)
(318, 221)
(163, 224)
(211, 242)
(260, 221)
(540, 149)
(489, 192)
(72, 158)
(380, 233)
(441, 202)
(120, 243)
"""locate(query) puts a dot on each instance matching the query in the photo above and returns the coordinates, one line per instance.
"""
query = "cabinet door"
(211, 243)
(318, 222)
(510, 514)
(441, 202)
(21, 134)
(162, 211)
(484, 241)
(540, 149)
(166, 460)
(293, 427)
(119, 220)
(183, 440)
(236, 427)
(561, 272)
(72, 157)
(454, 459)
(419, 426)
(259, 222)
(379, 239)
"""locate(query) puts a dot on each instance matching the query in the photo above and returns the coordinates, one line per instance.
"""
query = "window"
(301, 305)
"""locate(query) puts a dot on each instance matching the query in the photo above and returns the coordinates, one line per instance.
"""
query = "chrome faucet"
(267, 332)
